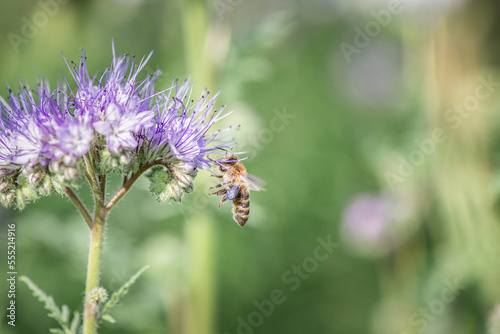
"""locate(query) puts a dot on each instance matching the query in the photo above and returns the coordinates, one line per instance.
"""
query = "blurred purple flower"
(366, 217)
(374, 224)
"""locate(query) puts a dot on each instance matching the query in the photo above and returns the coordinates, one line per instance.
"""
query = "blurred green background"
(375, 125)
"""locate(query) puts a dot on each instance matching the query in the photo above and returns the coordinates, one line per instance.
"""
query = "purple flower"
(73, 138)
(6, 153)
(27, 126)
(116, 116)
(118, 105)
(120, 127)
(181, 128)
(125, 111)
(28, 141)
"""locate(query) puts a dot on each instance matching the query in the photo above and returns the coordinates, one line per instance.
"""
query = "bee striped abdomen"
(241, 206)
(237, 184)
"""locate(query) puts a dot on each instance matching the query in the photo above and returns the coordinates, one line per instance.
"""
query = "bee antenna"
(214, 161)
(223, 149)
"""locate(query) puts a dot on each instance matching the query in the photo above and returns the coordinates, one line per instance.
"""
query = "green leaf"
(75, 323)
(60, 315)
(159, 177)
(108, 318)
(57, 331)
(48, 301)
(65, 314)
(118, 295)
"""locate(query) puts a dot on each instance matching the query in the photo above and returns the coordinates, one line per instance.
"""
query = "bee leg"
(222, 200)
(220, 185)
(220, 192)
(219, 176)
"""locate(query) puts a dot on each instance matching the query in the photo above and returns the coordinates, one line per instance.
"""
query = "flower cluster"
(115, 122)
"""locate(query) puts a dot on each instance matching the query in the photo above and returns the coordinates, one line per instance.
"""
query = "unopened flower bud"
(7, 198)
(4, 185)
(46, 187)
(29, 193)
(184, 180)
(184, 167)
(124, 159)
(70, 173)
(34, 178)
(172, 192)
(21, 204)
(57, 182)
(55, 166)
(69, 160)
(98, 295)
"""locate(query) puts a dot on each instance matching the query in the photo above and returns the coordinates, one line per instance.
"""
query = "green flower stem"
(96, 241)
(200, 231)
(90, 174)
(90, 319)
(128, 182)
(79, 205)
(195, 26)
(102, 185)
(97, 184)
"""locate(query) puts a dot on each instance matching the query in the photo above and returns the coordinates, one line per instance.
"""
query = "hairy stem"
(91, 177)
(97, 184)
(90, 320)
(94, 260)
(102, 186)
(128, 182)
(79, 205)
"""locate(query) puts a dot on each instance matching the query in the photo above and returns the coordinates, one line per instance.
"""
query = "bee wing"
(253, 182)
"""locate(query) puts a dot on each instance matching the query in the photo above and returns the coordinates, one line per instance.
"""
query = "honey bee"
(237, 184)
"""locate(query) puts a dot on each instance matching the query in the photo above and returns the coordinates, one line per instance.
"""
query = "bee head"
(230, 159)
(226, 162)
